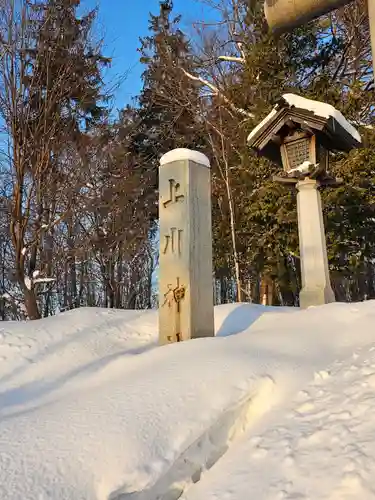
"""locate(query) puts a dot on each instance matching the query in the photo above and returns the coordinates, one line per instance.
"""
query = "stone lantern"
(297, 135)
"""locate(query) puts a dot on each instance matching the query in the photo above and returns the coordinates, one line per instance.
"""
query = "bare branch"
(218, 93)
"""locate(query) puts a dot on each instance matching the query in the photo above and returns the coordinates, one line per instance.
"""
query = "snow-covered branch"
(218, 93)
(239, 60)
(31, 282)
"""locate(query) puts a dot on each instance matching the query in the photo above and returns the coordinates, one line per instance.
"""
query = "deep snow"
(279, 405)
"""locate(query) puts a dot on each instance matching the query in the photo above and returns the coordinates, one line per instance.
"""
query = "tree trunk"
(119, 279)
(266, 291)
(31, 304)
(65, 292)
(82, 277)
(233, 237)
(2, 287)
(72, 293)
(111, 296)
(370, 281)
(73, 282)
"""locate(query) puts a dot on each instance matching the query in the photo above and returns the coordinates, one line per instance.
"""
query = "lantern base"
(324, 180)
(316, 285)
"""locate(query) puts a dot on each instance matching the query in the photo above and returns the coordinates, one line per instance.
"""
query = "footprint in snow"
(255, 440)
(367, 370)
(341, 415)
(313, 438)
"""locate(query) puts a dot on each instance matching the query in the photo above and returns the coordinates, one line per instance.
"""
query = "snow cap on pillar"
(181, 154)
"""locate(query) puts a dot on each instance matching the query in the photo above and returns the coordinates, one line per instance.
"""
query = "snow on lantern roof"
(260, 125)
(323, 110)
(319, 109)
(295, 115)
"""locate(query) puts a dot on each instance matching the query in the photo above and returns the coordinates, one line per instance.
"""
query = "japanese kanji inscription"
(185, 258)
(174, 193)
(173, 241)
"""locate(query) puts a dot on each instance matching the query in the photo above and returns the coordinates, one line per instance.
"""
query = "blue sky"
(121, 23)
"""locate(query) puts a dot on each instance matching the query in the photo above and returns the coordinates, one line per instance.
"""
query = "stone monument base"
(316, 296)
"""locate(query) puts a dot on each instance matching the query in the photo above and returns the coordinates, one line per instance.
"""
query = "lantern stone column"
(316, 285)
(186, 304)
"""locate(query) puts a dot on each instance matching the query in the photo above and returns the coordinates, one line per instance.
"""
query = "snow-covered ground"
(278, 406)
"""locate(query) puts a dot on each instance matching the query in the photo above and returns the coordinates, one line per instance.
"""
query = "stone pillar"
(186, 307)
(316, 285)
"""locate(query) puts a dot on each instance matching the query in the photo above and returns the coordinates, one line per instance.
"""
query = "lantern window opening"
(296, 151)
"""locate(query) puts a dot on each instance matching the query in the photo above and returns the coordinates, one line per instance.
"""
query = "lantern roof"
(292, 112)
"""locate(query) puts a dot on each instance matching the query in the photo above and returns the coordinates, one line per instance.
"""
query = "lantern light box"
(298, 133)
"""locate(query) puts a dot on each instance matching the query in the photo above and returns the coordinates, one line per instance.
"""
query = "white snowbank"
(319, 445)
(91, 409)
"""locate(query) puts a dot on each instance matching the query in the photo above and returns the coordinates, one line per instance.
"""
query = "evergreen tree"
(265, 216)
(167, 117)
(327, 60)
(335, 69)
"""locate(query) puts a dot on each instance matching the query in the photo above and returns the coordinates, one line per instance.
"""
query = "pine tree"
(335, 69)
(326, 60)
(265, 216)
(166, 120)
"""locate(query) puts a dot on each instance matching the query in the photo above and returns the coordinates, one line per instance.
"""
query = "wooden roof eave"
(299, 116)
(332, 134)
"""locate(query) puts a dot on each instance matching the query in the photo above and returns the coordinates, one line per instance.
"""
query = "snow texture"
(28, 283)
(321, 109)
(321, 445)
(180, 154)
(303, 168)
(265, 120)
(44, 280)
(278, 406)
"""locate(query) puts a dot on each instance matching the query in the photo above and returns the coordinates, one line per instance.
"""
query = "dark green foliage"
(165, 115)
(328, 60)
(63, 49)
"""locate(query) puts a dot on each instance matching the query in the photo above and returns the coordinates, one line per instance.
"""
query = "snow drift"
(91, 409)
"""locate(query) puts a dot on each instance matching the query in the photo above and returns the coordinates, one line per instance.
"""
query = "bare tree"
(41, 92)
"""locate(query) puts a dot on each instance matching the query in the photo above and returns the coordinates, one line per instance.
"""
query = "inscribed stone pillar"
(316, 285)
(186, 308)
